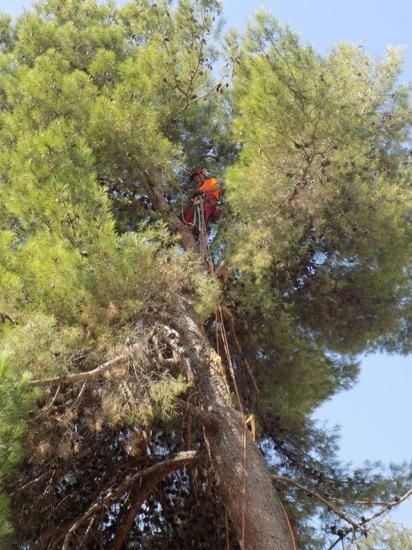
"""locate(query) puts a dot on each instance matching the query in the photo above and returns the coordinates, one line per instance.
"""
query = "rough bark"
(246, 486)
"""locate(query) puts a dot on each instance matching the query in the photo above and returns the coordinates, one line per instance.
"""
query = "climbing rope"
(204, 251)
(205, 254)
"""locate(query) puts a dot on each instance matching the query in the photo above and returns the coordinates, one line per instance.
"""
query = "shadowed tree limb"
(322, 499)
(140, 493)
(355, 526)
(157, 471)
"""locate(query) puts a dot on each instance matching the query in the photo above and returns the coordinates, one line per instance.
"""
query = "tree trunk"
(246, 487)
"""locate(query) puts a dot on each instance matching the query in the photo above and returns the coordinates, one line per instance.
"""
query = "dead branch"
(54, 532)
(137, 496)
(50, 405)
(88, 375)
(80, 396)
(28, 484)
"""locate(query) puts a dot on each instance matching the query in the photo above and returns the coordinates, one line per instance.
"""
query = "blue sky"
(375, 416)
(370, 23)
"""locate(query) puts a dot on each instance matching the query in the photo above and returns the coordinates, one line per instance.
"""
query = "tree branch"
(323, 500)
(209, 419)
(159, 470)
(389, 506)
(137, 496)
(88, 375)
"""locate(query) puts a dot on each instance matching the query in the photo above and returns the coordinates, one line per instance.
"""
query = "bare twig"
(86, 535)
(388, 506)
(217, 86)
(96, 506)
(81, 393)
(31, 482)
(49, 406)
(366, 502)
(326, 502)
(337, 541)
(88, 375)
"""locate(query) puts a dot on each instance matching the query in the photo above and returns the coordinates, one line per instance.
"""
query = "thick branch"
(208, 418)
(138, 497)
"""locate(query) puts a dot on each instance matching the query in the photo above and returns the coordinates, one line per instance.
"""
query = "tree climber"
(208, 190)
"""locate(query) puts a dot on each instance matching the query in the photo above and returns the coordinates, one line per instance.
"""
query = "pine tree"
(121, 417)
(386, 536)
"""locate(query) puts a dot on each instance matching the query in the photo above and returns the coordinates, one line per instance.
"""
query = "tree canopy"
(103, 108)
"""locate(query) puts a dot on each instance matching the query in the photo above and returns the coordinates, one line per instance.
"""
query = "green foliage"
(5, 526)
(162, 395)
(16, 401)
(385, 536)
(206, 294)
(318, 235)
(97, 103)
(39, 345)
(126, 405)
(5, 31)
(94, 100)
(319, 193)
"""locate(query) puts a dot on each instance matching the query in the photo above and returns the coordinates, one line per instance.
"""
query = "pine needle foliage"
(88, 95)
(16, 402)
(101, 103)
(323, 174)
(386, 536)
